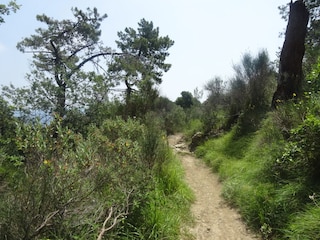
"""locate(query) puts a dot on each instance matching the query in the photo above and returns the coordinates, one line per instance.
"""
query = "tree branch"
(47, 219)
(116, 220)
(80, 65)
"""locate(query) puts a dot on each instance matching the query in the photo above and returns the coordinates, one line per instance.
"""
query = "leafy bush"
(300, 159)
(173, 117)
(7, 127)
(194, 126)
(65, 186)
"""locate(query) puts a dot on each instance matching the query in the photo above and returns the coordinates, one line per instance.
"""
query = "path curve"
(213, 218)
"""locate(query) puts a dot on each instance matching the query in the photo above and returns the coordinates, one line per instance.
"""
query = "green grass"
(168, 205)
(305, 225)
(274, 207)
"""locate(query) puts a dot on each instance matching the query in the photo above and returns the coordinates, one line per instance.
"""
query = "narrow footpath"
(213, 218)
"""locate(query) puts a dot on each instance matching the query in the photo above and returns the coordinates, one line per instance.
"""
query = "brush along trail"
(213, 218)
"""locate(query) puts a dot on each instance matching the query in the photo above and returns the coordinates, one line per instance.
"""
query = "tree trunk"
(290, 67)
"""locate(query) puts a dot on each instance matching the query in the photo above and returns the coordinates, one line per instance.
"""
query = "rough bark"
(290, 67)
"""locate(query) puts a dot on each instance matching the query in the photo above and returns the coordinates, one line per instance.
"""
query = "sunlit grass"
(168, 207)
(246, 166)
(305, 225)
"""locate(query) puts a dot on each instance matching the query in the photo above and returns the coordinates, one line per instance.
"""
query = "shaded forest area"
(78, 162)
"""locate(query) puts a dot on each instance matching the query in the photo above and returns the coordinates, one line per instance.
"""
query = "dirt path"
(213, 218)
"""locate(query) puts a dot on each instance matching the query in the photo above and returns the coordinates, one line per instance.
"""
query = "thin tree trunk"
(290, 68)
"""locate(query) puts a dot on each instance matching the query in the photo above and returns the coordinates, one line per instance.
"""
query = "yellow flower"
(294, 94)
(46, 162)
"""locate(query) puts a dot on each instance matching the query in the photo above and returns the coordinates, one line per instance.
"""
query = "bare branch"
(47, 219)
(117, 218)
(37, 51)
(80, 65)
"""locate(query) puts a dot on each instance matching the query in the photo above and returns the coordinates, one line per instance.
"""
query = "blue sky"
(210, 36)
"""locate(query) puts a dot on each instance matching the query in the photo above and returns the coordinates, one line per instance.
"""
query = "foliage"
(237, 99)
(6, 9)
(141, 102)
(244, 100)
(257, 73)
(7, 127)
(186, 100)
(216, 89)
(61, 185)
(312, 84)
(65, 186)
(58, 81)
(300, 160)
(272, 176)
(173, 116)
(142, 62)
(168, 203)
(251, 91)
(192, 127)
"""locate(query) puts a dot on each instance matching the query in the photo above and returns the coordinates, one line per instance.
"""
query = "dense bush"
(65, 186)
(7, 127)
(62, 183)
(301, 157)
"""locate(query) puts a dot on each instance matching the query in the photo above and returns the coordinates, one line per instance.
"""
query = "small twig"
(48, 218)
(116, 218)
(104, 229)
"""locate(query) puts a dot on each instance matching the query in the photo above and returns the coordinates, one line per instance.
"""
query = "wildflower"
(294, 94)
(312, 197)
(46, 162)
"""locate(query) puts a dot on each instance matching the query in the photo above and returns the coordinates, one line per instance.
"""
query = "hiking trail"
(213, 218)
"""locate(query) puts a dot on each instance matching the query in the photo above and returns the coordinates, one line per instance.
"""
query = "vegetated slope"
(272, 175)
(213, 219)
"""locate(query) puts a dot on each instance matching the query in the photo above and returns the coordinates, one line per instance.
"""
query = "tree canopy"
(144, 54)
(6, 9)
(60, 51)
(186, 100)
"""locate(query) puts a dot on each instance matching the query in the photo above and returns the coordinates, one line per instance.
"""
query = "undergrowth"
(121, 181)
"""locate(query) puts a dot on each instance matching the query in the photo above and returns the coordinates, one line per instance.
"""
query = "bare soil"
(213, 218)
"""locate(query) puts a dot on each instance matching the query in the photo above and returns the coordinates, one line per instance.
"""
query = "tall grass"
(305, 225)
(167, 205)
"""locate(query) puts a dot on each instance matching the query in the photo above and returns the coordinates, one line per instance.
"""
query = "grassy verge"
(167, 208)
(257, 173)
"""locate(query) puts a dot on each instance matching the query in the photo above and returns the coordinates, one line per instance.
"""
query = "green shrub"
(7, 127)
(300, 159)
(191, 128)
(66, 187)
(249, 121)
